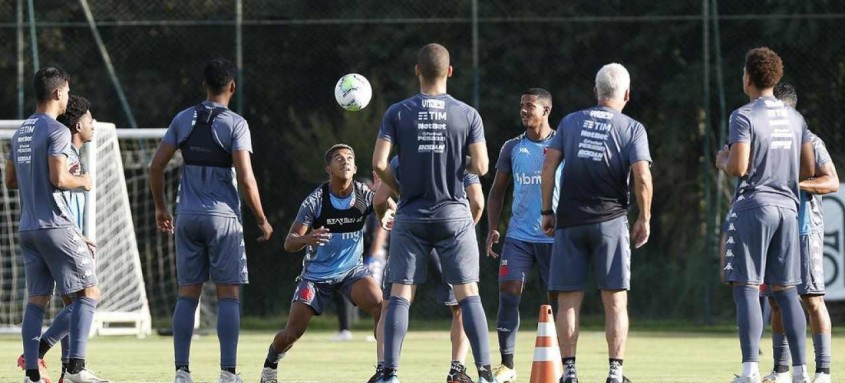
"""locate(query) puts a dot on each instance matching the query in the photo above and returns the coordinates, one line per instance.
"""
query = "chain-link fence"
(685, 59)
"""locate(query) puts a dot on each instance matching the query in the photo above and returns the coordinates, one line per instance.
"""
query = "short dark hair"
(77, 106)
(218, 73)
(541, 94)
(334, 148)
(433, 61)
(786, 93)
(764, 67)
(47, 80)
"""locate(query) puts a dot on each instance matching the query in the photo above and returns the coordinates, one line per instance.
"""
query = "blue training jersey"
(75, 199)
(523, 159)
(343, 251)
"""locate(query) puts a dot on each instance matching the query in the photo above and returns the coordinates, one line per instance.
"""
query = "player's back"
(432, 135)
(775, 133)
(599, 146)
(208, 187)
(39, 138)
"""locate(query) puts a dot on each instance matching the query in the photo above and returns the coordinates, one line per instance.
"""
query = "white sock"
(798, 371)
(750, 368)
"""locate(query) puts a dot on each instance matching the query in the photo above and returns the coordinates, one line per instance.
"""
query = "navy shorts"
(315, 293)
(518, 257)
(57, 257)
(209, 246)
(444, 294)
(812, 264)
(604, 245)
(412, 242)
(762, 246)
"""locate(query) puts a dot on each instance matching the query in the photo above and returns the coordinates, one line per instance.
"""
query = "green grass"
(652, 357)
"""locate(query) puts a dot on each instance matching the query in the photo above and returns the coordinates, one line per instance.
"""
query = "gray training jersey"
(810, 215)
(599, 145)
(775, 133)
(42, 205)
(432, 135)
(208, 190)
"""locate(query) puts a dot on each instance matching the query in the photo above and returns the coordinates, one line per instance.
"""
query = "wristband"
(547, 212)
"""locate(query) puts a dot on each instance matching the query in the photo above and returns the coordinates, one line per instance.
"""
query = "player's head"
(433, 63)
(340, 162)
(763, 69)
(219, 76)
(786, 92)
(77, 117)
(613, 83)
(51, 84)
(535, 105)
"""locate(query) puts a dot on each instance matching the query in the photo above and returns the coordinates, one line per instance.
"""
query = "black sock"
(269, 364)
(388, 372)
(781, 369)
(457, 366)
(43, 347)
(569, 360)
(33, 374)
(823, 370)
(74, 365)
(232, 369)
(485, 372)
(611, 360)
(183, 367)
(507, 360)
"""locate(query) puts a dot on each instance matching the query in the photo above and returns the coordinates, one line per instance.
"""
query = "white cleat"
(504, 374)
(228, 377)
(84, 376)
(821, 377)
(269, 375)
(26, 380)
(183, 376)
(777, 377)
(804, 378)
(746, 379)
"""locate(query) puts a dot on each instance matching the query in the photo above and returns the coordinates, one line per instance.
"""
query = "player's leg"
(361, 289)
(514, 266)
(444, 295)
(385, 295)
(39, 283)
(58, 330)
(780, 347)
(812, 293)
(567, 278)
(612, 267)
(307, 301)
(343, 306)
(192, 271)
(783, 273)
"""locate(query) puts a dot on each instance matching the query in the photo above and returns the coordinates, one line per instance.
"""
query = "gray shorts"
(761, 247)
(411, 243)
(444, 294)
(210, 246)
(604, 244)
(315, 294)
(57, 257)
(812, 264)
(518, 257)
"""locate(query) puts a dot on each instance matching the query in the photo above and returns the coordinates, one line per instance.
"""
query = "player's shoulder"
(512, 142)
(452, 102)
(315, 197)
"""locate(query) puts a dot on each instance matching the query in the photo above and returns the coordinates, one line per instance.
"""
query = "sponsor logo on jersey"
(525, 179)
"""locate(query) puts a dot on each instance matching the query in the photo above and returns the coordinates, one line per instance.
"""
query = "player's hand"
(87, 182)
(376, 181)
(92, 247)
(164, 221)
(548, 225)
(640, 233)
(266, 230)
(722, 157)
(492, 237)
(387, 220)
(318, 237)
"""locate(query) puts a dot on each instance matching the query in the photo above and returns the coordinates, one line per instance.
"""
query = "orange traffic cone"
(547, 367)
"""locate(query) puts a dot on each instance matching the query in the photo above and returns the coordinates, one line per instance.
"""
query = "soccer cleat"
(84, 376)
(746, 379)
(458, 374)
(377, 376)
(821, 377)
(42, 368)
(570, 375)
(388, 378)
(228, 377)
(504, 374)
(342, 336)
(615, 380)
(804, 378)
(269, 375)
(482, 380)
(26, 380)
(183, 376)
(777, 377)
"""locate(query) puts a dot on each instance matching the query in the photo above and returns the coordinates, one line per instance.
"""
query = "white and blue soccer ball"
(353, 92)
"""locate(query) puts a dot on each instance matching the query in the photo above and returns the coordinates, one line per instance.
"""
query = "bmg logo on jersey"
(525, 179)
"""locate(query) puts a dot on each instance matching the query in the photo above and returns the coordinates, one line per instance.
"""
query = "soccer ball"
(353, 92)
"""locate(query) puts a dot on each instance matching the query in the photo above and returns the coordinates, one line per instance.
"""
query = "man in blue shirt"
(55, 252)
(437, 138)
(215, 144)
(330, 226)
(525, 243)
(603, 149)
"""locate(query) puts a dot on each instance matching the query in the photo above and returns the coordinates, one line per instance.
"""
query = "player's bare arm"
(478, 162)
(381, 164)
(495, 201)
(476, 201)
(61, 177)
(643, 191)
(826, 181)
(299, 237)
(249, 189)
(382, 202)
(164, 220)
(11, 178)
(547, 187)
(734, 160)
(807, 167)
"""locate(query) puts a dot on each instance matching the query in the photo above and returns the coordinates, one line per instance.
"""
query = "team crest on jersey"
(75, 169)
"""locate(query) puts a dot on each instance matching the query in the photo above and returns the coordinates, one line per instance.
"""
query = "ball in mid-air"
(353, 92)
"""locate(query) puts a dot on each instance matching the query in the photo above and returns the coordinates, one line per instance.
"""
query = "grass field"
(652, 357)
